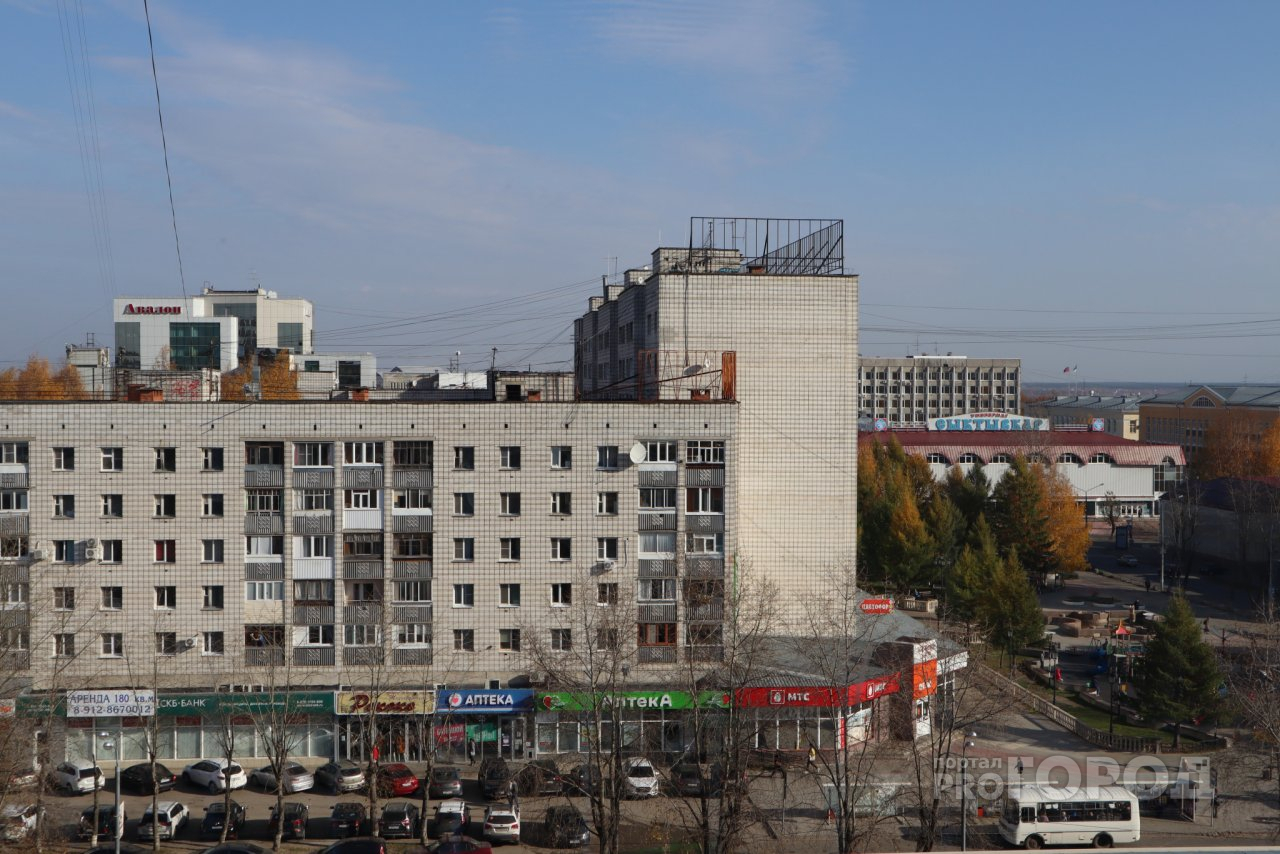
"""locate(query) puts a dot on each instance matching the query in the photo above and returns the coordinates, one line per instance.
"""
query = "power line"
(164, 143)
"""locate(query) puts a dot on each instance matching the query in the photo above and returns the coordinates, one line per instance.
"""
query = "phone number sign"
(111, 704)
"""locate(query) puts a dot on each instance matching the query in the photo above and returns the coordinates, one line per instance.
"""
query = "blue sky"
(1088, 184)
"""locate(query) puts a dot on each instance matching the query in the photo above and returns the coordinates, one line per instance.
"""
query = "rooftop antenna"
(455, 360)
(493, 358)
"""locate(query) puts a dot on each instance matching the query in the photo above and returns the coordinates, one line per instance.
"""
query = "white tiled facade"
(916, 389)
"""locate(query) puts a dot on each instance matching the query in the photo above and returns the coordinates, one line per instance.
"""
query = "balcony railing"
(657, 569)
(417, 613)
(705, 652)
(704, 477)
(355, 569)
(263, 656)
(411, 523)
(15, 524)
(361, 655)
(411, 655)
(263, 477)
(704, 567)
(314, 656)
(263, 524)
(264, 571)
(313, 523)
(415, 477)
(657, 477)
(362, 477)
(665, 521)
(13, 480)
(411, 570)
(709, 613)
(308, 478)
(313, 615)
(665, 613)
(704, 523)
(656, 654)
(362, 613)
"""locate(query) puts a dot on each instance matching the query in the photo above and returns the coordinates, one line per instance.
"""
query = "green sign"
(173, 705)
(580, 701)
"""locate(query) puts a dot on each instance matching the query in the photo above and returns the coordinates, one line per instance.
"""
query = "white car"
(76, 777)
(502, 824)
(296, 778)
(640, 780)
(19, 820)
(171, 818)
(216, 775)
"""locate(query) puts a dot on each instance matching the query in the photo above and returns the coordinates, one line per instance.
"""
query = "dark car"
(540, 777)
(689, 780)
(445, 782)
(399, 821)
(295, 820)
(349, 818)
(583, 780)
(235, 848)
(395, 780)
(458, 845)
(565, 827)
(215, 817)
(493, 776)
(452, 817)
(105, 825)
(361, 845)
(125, 848)
(138, 778)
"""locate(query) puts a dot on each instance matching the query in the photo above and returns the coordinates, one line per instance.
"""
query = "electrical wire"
(164, 143)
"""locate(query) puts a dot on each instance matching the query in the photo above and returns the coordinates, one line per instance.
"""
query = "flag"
(1066, 370)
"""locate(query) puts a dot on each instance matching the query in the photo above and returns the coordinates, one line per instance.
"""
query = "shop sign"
(152, 309)
(111, 704)
(876, 606)
(865, 692)
(924, 679)
(8, 708)
(987, 422)
(387, 703)
(787, 697)
(292, 702)
(480, 702)
(569, 701)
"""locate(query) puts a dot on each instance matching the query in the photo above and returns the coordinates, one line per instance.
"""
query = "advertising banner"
(111, 704)
(387, 703)
(569, 701)
(504, 701)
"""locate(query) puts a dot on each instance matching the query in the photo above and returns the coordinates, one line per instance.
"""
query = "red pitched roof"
(1051, 443)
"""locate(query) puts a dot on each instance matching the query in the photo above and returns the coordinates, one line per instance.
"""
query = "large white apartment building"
(916, 389)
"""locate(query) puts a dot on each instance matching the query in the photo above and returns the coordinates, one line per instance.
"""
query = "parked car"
(1128, 560)
(125, 848)
(395, 780)
(170, 818)
(340, 777)
(584, 779)
(493, 776)
(458, 845)
(540, 777)
(104, 823)
(348, 818)
(216, 775)
(22, 778)
(295, 819)
(565, 827)
(139, 778)
(216, 816)
(452, 817)
(502, 824)
(359, 845)
(19, 820)
(234, 848)
(639, 780)
(399, 821)
(688, 779)
(76, 777)
(445, 782)
(296, 778)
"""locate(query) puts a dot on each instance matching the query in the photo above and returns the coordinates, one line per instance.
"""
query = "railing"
(411, 523)
(362, 477)
(704, 567)
(313, 523)
(665, 521)
(402, 614)
(362, 614)
(411, 655)
(263, 524)
(263, 656)
(411, 569)
(13, 480)
(264, 571)
(657, 569)
(665, 613)
(657, 477)
(704, 477)
(263, 477)
(360, 569)
(656, 654)
(308, 478)
(706, 523)
(705, 652)
(314, 656)
(417, 477)
(313, 615)
(15, 524)
(713, 612)
(361, 655)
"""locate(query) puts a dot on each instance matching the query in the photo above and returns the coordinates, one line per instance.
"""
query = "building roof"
(1051, 443)
(1124, 403)
(1227, 395)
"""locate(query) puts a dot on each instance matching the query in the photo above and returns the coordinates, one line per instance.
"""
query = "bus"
(1036, 816)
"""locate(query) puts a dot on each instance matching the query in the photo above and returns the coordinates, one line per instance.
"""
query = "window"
(64, 598)
(464, 595)
(509, 548)
(561, 503)
(113, 645)
(166, 643)
(17, 640)
(211, 597)
(14, 546)
(660, 452)
(704, 453)
(211, 459)
(561, 640)
(319, 636)
(262, 500)
(510, 456)
(658, 542)
(64, 506)
(464, 640)
(509, 640)
(704, 499)
(656, 634)
(656, 590)
(166, 551)
(312, 499)
(313, 591)
(464, 457)
(562, 594)
(464, 504)
(606, 504)
(166, 459)
(607, 456)
(561, 457)
(607, 638)
(362, 499)
(214, 643)
(113, 598)
(509, 503)
(64, 645)
(112, 551)
(312, 454)
(412, 545)
(464, 549)
(166, 598)
(606, 548)
(312, 545)
(362, 453)
(13, 453)
(413, 499)
(113, 459)
(13, 500)
(561, 548)
(509, 595)
(607, 593)
(64, 551)
(264, 591)
(357, 591)
(362, 545)
(166, 506)
(113, 505)
(361, 635)
(64, 459)
(416, 454)
(660, 498)
(255, 547)
(211, 551)
(264, 454)
(413, 591)
(16, 594)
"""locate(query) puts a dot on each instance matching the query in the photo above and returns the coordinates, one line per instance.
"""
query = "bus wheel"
(1102, 840)
(1033, 843)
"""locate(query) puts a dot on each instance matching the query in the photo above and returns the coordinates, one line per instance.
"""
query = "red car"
(395, 780)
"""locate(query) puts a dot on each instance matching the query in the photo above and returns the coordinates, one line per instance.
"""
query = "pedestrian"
(471, 751)
(1216, 802)
(1148, 583)
(513, 798)
(1019, 766)
(777, 764)
(1206, 625)
(813, 758)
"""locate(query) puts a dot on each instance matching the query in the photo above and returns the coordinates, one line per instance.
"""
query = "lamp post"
(1086, 497)
(964, 791)
(1009, 636)
(1111, 706)
(117, 826)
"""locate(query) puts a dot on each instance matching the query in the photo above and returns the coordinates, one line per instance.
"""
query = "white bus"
(1036, 816)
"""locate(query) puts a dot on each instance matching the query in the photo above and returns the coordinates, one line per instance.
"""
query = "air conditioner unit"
(93, 553)
(93, 543)
(39, 554)
(189, 643)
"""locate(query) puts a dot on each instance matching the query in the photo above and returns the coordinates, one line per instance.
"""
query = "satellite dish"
(638, 454)
(692, 369)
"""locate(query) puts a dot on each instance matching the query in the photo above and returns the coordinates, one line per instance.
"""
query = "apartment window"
(362, 453)
(510, 456)
(509, 548)
(312, 545)
(464, 549)
(561, 457)
(262, 501)
(313, 454)
(704, 499)
(166, 551)
(464, 595)
(16, 594)
(416, 454)
(359, 591)
(607, 456)
(606, 504)
(166, 643)
(607, 638)
(64, 551)
(658, 498)
(607, 593)
(64, 645)
(113, 505)
(14, 546)
(656, 634)
(113, 598)
(167, 598)
(464, 457)
(509, 503)
(413, 591)
(362, 545)
(319, 636)
(464, 640)
(606, 548)
(313, 592)
(464, 504)
(211, 551)
(660, 452)
(704, 544)
(704, 452)
(112, 551)
(509, 595)
(561, 548)
(211, 459)
(113, 459)
(412, 545)
(13, 500)
(264, 591)
(211, 597)
(361, 635)
(658, 542)
(362, 499)
(656, 590)
(214, 643)
(413, 499)
(561, 503)
(166, 459)
(263, 547)
(561, 640)
(13, 453)
(166, 506)
(64, 598)
(64, 506)
(64, 459)
(562, 594)
(509, 640)
(17, 640)
(211, 504)
(113, 645)
(313, 499)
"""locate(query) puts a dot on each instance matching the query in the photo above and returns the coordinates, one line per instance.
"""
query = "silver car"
(340, 776)
(296, 778)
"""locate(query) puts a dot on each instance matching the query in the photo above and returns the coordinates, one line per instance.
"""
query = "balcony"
(657, 521)
(314, 656)
(417, 613)
(313, 567)
(15, 660)
(656, 654)
(411, 570)
(15, 524)
(358, 655)
(362, 613)
(362, 520)
(263, 656)
(705, 652)
(13, 480)
(704, 567)
(657, 569)
(704, 477)
(309, 478)
(411, 655)
(663, 613)
(411, 523)
(704, 523)
(263, 524)
(313, 615)
(313, 522)
(416, 477)
(711, 612)
(355, 570)
(658, 477)
(362, 477)
(264, 571)
(263, 477)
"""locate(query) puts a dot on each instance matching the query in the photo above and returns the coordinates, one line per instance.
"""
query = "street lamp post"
(1009, 636)
(1086, 497)
(964, 791)
(117, 826)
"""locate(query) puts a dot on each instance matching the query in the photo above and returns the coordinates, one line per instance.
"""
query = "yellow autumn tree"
(9, 384)
(278, 381)
(1268, 461)
(38, 381)
(1065, 521)
(1237, 446)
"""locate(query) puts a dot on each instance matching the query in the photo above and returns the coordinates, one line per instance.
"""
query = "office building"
(916, 389)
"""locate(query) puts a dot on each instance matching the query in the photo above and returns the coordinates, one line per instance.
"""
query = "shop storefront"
(795, 717)
(497, 720)
(646, 722)
(397, 723)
